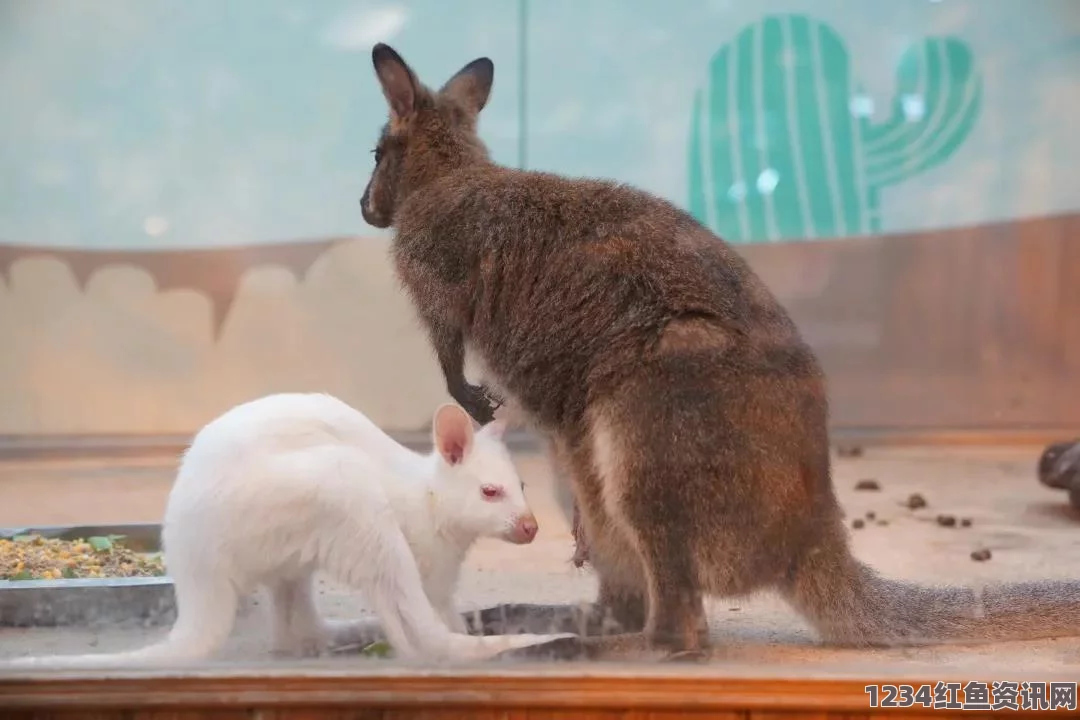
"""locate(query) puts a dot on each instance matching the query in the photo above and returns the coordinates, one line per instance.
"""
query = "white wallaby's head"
(478, 478)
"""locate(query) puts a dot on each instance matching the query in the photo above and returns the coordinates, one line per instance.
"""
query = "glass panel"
(181, 232)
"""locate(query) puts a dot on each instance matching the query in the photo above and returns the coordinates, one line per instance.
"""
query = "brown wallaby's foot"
(679, 623)
(1052, 473)
(515, 618)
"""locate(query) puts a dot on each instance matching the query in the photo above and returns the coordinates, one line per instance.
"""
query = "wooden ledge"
(586, 691)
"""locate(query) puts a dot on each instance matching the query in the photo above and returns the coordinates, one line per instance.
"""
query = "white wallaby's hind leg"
(206, 605)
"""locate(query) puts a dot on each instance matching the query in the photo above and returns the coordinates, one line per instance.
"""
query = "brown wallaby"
(676, 393)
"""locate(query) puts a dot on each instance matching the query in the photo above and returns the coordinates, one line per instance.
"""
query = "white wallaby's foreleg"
(297, 630)
(378, 561)
(445, 607)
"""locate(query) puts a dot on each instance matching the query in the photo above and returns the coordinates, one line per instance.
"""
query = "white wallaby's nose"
(524, 530)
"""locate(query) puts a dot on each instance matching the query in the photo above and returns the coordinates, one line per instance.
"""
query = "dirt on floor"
(991, 494)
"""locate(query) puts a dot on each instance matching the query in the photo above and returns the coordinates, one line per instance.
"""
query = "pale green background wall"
(182, 123)
(150, 124)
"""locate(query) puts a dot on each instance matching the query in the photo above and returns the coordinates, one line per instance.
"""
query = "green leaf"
(24, 538)
(99, 543)
(379, 648)
(22, 575)
(69, 573)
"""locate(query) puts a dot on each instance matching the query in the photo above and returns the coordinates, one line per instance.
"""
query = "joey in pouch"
(678, 398)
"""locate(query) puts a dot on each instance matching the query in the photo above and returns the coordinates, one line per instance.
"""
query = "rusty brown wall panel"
(972, 328)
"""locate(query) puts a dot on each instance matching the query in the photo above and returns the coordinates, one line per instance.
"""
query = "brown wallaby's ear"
(397, 80)
(471, 84)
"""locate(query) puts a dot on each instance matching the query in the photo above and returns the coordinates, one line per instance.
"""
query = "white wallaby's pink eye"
(491, 492)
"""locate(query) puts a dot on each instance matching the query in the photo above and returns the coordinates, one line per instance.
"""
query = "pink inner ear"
(453, 434)
(452, 451)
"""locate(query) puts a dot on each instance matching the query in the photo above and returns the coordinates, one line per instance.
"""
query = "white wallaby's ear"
(471, 85)
(453, 430)
(399, 84)
(496, 428)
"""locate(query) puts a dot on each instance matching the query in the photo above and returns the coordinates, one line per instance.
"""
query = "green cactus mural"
(782, 146)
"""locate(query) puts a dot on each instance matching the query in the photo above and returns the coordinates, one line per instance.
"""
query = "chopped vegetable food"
(32, 557)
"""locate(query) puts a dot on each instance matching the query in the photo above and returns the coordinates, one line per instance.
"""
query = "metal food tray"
(145, 601)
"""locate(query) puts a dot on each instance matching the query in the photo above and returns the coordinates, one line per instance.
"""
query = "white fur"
(288, 484)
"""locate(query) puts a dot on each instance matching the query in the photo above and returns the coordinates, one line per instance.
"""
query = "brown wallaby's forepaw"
(581, 541)
(475, 401)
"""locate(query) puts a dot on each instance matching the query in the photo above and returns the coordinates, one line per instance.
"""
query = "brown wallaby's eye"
(378, 155)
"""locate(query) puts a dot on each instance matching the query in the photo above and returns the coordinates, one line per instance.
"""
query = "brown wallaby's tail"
(850, 604)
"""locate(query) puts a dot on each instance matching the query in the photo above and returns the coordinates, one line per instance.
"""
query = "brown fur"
(688, 412)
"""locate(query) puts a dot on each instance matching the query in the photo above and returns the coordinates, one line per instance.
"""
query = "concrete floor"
(1030, 530)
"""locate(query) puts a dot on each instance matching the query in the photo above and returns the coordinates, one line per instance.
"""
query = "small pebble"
(980, 555)
(965, 522)
(946, 521)
(868, 484)
(735, 609)
(870, 515)
(858, 523)
(849, 451)
(915, 501)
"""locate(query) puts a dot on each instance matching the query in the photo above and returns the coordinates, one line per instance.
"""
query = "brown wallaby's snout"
(420, 121)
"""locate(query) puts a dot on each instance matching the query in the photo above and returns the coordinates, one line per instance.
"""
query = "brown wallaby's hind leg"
(673, 622)
(676, 613)
(650, 519)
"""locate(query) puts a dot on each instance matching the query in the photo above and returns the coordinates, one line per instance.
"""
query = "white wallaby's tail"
(206, 611)
(169, 651)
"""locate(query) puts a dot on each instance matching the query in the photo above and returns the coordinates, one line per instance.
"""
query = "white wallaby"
(288, 484)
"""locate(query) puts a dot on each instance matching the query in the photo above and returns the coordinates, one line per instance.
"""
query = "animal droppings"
(883, 522)
(870, 515)
(965, 522)
(915, 501)
(849, 451)
(946, 521)
(858, 523)
(980, 555)
(868, 484)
